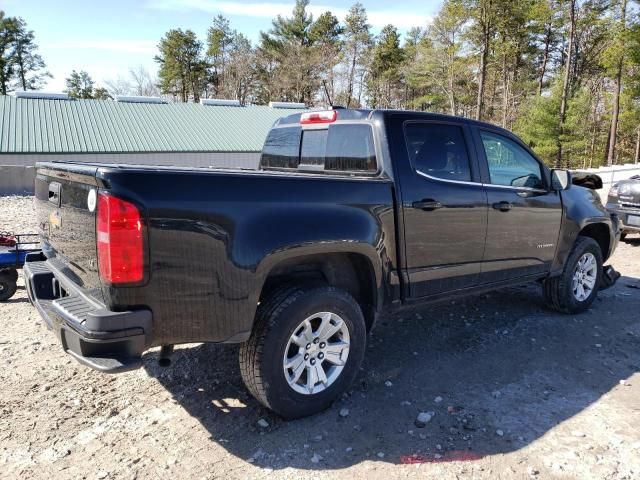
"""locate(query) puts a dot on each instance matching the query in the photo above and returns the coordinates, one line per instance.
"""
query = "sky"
(107, 38)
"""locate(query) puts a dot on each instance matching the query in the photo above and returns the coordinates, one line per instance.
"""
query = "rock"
(388, 383)
(422, 436)
(578, 433)
(348, 449)
(532, 471)
(316, 458)
(496, 394)
(263, 423)
(344, 412)
(259, 454)
(423, 419)
(405, 403)
(500, 433)
(102, 474)
(438, 399)
(380, 455)
(437, 456)
(598, 345)
(318, 438)
(438, 447)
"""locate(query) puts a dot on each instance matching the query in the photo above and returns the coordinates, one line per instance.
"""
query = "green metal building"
(140, 130)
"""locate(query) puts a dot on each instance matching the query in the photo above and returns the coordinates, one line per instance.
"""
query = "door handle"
(427, 205)
(503, 206)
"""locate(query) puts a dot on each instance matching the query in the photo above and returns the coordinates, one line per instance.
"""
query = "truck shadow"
(498, 370)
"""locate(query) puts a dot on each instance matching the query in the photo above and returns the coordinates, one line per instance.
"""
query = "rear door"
(524, 215)
(443, 203)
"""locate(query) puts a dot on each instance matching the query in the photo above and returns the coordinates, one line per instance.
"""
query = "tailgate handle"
(54, 193)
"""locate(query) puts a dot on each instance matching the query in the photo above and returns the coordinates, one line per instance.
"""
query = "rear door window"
(438, 150)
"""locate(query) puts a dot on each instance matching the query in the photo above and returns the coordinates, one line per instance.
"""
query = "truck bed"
(207, 251)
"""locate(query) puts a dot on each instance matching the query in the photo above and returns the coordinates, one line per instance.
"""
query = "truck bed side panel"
(214, 237)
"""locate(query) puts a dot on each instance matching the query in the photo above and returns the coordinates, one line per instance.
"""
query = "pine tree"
(80, 85)
(182, 71)
(384, 86)
(30, 70)
(357, 41)
(21, 67)
(219, 38)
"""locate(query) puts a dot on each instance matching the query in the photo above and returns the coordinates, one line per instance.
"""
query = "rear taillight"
(120, 240)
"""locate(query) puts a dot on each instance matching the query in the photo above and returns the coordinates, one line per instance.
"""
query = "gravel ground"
(513, 390)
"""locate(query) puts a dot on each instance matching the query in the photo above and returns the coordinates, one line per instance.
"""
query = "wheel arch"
(354, 270)
(601, 234)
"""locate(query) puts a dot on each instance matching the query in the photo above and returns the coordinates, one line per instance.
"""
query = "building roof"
(36, 125)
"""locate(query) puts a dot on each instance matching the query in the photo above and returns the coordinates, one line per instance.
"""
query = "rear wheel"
(305, 350)
(576, 289)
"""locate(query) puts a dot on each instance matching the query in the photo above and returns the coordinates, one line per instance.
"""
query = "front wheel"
(305, 350)
(577, 287)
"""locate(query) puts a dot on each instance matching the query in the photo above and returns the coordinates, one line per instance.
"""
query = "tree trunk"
(352, 74)
(482, 70)
(452, 96)
(616, 93)
(637, 156)
(505, 91)
(545, 59)
(565, 81)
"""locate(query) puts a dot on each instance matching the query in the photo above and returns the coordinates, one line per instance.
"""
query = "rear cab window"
(338, 147)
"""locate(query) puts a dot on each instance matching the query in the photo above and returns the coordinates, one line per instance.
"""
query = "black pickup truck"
(352, 214)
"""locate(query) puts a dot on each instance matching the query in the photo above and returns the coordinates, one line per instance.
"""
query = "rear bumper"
(104, 340)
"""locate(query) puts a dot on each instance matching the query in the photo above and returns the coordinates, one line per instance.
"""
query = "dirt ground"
(517, 391)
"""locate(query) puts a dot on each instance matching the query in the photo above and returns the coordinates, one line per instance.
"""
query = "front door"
(444, 208)
(524, 215)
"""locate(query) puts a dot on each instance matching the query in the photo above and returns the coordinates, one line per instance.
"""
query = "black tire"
(261, 357)
(558, 291)
(7, 289)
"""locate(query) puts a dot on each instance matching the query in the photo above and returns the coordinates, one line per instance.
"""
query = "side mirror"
(560, 180)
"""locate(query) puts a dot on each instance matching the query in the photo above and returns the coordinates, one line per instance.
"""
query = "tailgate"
(65, 207)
